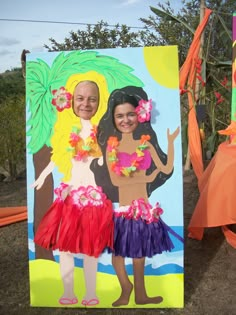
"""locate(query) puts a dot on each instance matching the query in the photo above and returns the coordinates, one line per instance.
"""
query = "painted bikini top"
(82, 148)
(126, 159)
(123, 163)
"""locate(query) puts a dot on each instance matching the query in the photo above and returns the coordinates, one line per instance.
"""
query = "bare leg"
(90, 275)
(67, 274)
(139, 284)
(118, 263)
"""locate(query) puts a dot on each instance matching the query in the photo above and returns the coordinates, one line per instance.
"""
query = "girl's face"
(125, 118)
(86, 99)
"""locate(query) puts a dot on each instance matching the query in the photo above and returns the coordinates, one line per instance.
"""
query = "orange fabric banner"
(216, 204)
(188, 73)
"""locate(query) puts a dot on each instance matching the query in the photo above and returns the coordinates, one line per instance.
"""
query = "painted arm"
(165, 168)
(40, 180)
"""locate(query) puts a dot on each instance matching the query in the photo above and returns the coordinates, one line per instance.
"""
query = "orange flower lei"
(83, 152)
(112, 145)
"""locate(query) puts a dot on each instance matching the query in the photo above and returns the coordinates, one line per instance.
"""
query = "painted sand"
(46, 290)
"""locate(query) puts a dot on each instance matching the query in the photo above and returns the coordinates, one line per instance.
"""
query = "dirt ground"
(210, 268)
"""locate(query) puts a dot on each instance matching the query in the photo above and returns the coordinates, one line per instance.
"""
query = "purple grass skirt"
(81, 223)
(135, 237)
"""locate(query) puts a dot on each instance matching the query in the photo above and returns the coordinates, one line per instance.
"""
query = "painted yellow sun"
(162, 64)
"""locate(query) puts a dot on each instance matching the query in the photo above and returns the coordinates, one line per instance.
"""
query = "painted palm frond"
(41, 113)
(40, 122)
(116, 73)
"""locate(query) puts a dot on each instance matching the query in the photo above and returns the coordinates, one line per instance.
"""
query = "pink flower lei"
(139, 209)
(143, 110)
(80, 153)
(88, 196)
(83, 196)
(112, 145)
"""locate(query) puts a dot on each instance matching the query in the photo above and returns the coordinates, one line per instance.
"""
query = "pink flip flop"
(66, 301)
(91, 302)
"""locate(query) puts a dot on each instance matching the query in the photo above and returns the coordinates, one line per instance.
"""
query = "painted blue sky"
(18, 35)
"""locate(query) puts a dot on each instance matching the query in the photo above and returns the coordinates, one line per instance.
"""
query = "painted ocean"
(166, 263)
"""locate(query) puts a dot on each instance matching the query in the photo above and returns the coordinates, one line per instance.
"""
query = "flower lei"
(83, 152)
(143, 110)
(83, 196)
(139, 209)
(61, 99)
(112, 145)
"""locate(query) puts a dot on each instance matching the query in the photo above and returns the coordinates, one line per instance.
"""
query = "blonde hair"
(67, 119)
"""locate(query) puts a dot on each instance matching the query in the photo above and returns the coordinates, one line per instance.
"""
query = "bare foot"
(124, 297)
(148, 300)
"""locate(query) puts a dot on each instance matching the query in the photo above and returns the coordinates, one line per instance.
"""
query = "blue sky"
(16, 36)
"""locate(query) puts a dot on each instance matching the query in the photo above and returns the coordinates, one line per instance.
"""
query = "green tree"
(11, 83)
(12, 122)
(172, 28)
(178, 29)
(97, 36)
(12, 134)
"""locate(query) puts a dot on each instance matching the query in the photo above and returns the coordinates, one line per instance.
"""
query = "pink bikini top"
(126, 159)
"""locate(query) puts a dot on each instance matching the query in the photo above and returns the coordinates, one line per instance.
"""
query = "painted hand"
(39, 182)
(172, 136)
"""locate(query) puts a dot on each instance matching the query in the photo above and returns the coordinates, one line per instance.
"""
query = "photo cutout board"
(104, 178)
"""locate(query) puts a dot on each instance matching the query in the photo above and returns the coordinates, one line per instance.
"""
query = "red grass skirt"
(69, 226)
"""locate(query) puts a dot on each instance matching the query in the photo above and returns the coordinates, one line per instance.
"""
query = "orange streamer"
(9, 215)
(188, 74)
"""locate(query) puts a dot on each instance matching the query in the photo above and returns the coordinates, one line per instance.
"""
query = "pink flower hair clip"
(143, 110)
(61, 99)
